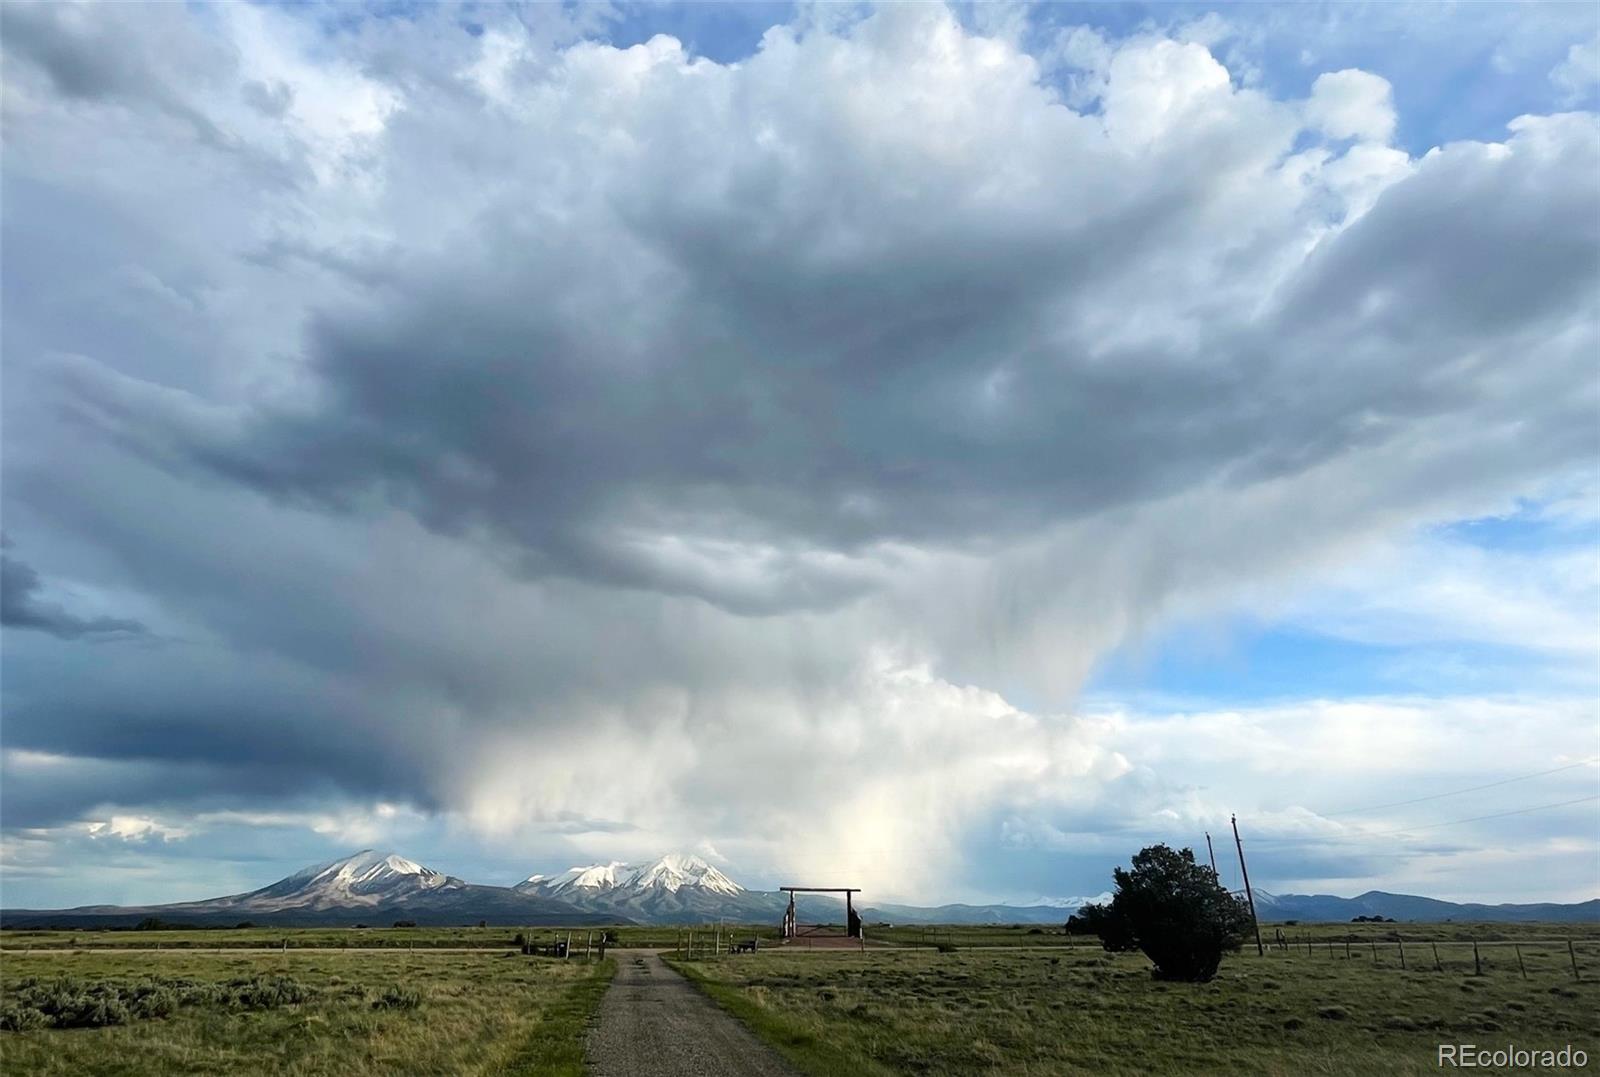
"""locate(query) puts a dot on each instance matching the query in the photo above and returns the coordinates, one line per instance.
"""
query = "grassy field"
(355, 1013)
(393, 938)
(1081, 1011)
(970, 935)
(1444, 932)
(1033, 935)
(668, 937)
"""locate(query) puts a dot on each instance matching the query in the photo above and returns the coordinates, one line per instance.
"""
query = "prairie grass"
(357, 938)
(1296, 934)
(668, 936)
(358, 1013)
(1081, 1011)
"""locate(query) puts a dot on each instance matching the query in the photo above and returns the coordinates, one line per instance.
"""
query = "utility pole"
(1213, 853)
(1249, 896)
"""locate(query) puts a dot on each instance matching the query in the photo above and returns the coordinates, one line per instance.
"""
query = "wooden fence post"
(1402, 951)
(1436, 966)
(1573, 954)
(1374, 944)
(1477, 962)
(1524, 968)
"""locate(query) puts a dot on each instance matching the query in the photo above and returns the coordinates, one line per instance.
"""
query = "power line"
(1458, 792)
(1308, 839)
(1481, 818)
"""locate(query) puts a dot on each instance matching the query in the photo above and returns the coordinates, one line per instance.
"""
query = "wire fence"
(1443, 955)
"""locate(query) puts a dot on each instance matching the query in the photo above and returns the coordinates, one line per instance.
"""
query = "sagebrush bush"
(398, 998)
(268, 992)
(151, 1001)
(21, 1019)
(95, 1009)
(68, 1002)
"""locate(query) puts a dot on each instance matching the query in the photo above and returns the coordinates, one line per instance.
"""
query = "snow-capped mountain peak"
(677, 870)
(673, 872)
(370, 869)
(1074, 903)
(365, 878)
(591, 877)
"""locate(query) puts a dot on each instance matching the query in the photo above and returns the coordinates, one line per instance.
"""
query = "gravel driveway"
(653, 1023)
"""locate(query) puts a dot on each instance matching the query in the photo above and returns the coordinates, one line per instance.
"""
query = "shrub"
(405, 923)
(150, 1001)
(71, 1003)
(268, 992)
(947, 947)
(1175, 911)
(22, 1019)
(397, 998)
(1078, 924)
(91, 1011)
(1116, 934)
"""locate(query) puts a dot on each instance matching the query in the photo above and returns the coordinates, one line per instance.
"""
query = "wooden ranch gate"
(793, 930)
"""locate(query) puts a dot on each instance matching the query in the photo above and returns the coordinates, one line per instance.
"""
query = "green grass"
(502, 938)
(987, 935)
(800, 1044)
(1464, 932)
(555, 1046)
(381, 938)
(972, 935)
(359, 1013)
(1081, 1011)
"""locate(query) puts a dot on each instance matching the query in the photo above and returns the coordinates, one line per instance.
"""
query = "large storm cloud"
(565, 438)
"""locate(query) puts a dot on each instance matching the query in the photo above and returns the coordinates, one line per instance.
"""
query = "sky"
(936, 450)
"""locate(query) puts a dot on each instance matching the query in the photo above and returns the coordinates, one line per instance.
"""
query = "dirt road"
(654, 1024)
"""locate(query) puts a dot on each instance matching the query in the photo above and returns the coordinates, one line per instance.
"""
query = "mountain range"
(367, 888)
(1404, 907)
(378, 888)
(673, 889)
